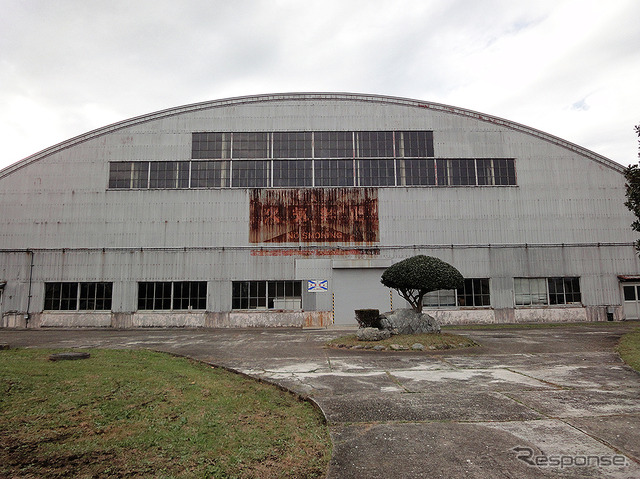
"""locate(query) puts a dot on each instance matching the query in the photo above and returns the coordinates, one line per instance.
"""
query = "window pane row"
(545, 291)
(528, 292)
(308, 144)
(312, 173)
(77, 296)
(167, 295)
(267, 295)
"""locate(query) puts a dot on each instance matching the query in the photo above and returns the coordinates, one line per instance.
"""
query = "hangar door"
(358, 288)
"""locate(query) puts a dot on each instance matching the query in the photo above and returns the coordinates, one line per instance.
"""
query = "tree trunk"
(418, 307)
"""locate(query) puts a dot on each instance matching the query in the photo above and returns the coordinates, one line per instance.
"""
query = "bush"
(414, 277)
(368, 318)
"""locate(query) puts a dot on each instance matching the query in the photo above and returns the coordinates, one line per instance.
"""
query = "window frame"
(72, 295)
(375, 159)
(548, 297)
(163, 295)
(263, 295)
(467, 290)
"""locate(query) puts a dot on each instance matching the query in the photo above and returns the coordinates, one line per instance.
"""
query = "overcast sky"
(570, 68)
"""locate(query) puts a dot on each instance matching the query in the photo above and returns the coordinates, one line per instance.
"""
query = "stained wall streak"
(318, 215)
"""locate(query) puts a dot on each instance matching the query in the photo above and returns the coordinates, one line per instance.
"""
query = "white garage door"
(359, 289)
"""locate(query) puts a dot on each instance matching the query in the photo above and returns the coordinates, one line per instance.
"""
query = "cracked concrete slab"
(581, 403)
(567, 449)
(428, 450)
(527, 360)
(465, 405)
(492, 379)
(603, 376)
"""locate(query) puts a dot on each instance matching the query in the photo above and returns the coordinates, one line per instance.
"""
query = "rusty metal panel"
(319, 215)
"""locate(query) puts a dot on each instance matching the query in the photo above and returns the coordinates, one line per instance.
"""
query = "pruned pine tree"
(414, 277)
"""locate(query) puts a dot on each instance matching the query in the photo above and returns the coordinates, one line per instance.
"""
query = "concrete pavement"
(528, 403)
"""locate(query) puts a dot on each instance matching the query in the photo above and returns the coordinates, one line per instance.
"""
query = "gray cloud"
(67, 67)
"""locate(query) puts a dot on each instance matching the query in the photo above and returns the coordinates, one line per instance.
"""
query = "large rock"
(407, 321)
(372, 334)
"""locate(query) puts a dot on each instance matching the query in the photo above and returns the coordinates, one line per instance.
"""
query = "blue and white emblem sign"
(317, 286)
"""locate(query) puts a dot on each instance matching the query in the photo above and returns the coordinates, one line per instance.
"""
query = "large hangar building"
(283, 210)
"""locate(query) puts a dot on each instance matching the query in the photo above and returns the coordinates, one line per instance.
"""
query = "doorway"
(358, 288)
(631, 296)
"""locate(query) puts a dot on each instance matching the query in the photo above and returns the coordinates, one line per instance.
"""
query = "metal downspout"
(26, 314)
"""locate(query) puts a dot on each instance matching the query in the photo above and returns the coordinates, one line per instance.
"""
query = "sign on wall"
(314, 215)
(317, 286)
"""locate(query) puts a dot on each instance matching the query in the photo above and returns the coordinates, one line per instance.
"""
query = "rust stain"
(319, 215)
(318, 319)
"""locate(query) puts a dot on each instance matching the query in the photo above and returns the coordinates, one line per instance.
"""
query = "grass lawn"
(145, 414)
(629, 349)
(430, 341)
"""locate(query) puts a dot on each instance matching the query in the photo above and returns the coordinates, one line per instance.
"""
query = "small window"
(374, 144)
(416, 172)
(629, 293)
(128, 174)
(474, 293)
(530, 291)
(250, 145)
(251, 173)
(461, 172)
(333, 144)
(376, 172)
(169, 174)
(414, 144)
(564, 290)
(505, 171)
(211, 146)
(443, 298)
(190, 295)
(210, 174)
(292, 144)
(292, 173)
(95, 296)
(334, 173)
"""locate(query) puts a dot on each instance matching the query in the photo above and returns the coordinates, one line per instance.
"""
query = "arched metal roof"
(311, 97)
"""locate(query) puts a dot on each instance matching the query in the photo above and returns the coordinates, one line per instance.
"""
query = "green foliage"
(632, 175)
(414, 277)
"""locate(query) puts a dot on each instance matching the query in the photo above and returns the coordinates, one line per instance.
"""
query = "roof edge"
(309, 96)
